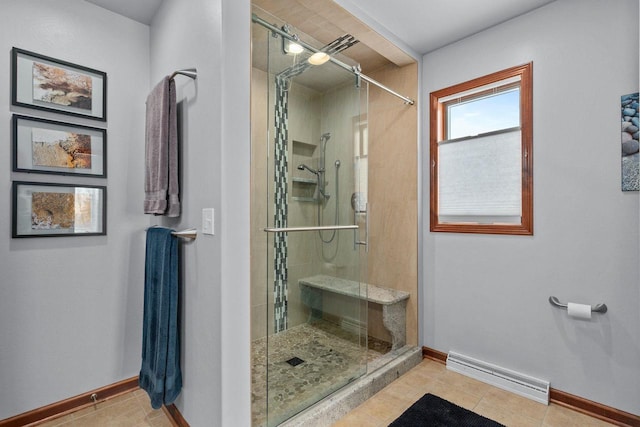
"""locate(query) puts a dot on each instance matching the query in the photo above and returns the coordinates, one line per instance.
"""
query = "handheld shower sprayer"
(302, 167)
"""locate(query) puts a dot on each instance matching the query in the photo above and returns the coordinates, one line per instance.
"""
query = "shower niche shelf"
(303, 181)
(303, 148)
(303, 189)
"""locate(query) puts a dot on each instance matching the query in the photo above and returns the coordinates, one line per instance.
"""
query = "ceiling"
(424, 25)
(138, 10)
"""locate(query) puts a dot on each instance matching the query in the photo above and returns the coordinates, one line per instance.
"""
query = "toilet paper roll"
(579, 311)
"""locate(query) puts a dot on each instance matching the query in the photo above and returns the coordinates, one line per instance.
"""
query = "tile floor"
(133, 409)
(432, 377)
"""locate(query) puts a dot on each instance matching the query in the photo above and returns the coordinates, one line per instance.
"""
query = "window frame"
(438, 125)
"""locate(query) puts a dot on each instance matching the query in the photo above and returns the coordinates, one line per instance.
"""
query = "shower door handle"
(321, 228)
(365, 242)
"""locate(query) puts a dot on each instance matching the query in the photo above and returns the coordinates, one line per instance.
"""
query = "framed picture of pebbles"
(629, 108)
(47, 146)
(45, 83)
(54, 210)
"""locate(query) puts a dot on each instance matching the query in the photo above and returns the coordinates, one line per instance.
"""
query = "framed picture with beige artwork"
(44, 83)
(52, 210)
(51, 147)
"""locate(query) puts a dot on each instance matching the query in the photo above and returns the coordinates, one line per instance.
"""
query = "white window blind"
(480, 178)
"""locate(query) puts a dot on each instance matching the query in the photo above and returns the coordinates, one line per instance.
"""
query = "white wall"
(71, 307)
(184, 37)
(214, 38)
(236, 172)
(486, 296)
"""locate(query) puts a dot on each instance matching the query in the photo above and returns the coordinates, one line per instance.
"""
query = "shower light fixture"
(318, 58)
(291, 47)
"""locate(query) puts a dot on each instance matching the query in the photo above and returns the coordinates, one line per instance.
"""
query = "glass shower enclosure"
(309, 325)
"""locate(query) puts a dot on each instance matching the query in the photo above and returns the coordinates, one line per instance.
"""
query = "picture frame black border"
(14, 209)
(14, 126)
(14, 86)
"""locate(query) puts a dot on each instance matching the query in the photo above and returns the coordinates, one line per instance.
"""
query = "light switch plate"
(208, 218)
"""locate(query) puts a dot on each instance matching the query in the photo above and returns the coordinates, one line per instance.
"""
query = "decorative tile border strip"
(280, 247)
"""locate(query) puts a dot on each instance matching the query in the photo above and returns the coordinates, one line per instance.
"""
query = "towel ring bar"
(598, 308)
(192, 73)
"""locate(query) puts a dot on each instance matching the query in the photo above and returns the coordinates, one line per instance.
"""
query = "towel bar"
(598, 308)
(190, 234)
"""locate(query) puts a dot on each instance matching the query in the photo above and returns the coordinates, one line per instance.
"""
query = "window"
(481, 155)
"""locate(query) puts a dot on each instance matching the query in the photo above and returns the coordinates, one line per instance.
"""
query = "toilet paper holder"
(598, 308)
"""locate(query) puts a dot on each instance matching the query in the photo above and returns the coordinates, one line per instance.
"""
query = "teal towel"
(160, 374)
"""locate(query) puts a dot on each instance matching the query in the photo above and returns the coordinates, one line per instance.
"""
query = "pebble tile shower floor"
(332, 357)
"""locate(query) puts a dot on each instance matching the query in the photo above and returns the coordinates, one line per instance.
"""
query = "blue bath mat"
(433, 411)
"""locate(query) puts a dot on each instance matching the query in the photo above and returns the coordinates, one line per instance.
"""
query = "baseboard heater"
(503, 378)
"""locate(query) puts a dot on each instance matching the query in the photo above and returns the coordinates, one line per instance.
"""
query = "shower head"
(302, 166)
(325, 137)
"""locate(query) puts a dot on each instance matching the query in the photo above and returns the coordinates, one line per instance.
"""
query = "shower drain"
(295, 361)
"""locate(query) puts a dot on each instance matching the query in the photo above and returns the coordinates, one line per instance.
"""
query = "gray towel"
(161, 151)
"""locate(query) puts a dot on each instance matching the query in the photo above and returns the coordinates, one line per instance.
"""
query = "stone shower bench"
(393, 302)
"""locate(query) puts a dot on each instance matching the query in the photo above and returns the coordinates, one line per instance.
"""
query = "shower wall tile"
(301, 247)
(340, 112)
(298, 313)
(304, 113)
(259, 315)
(304, 125)
(392, 257)
(261, 211)
(306, 214)
(393, 192)
(259, 127)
